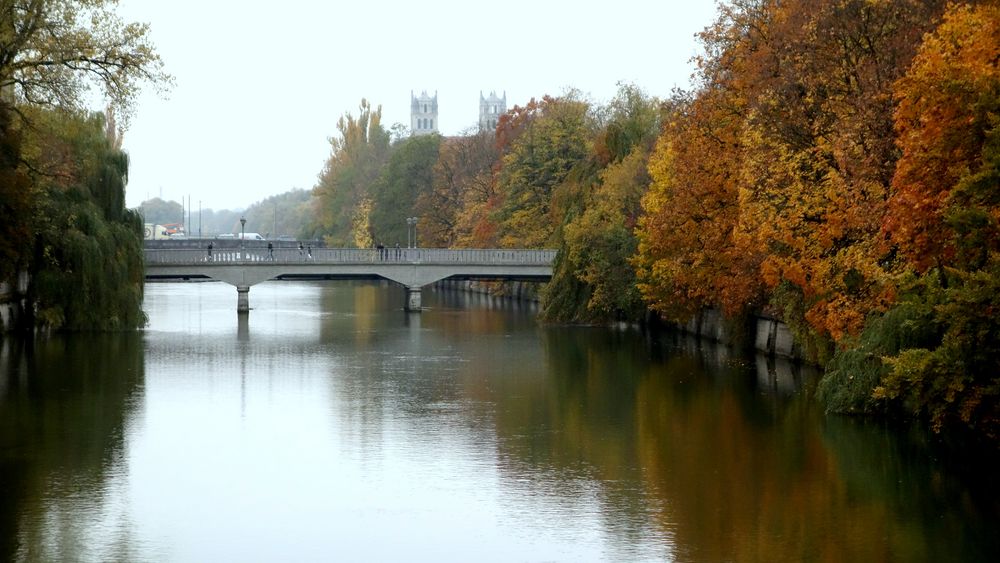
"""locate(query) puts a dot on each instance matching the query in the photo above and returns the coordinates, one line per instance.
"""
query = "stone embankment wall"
(523, 291)
(770, 336)
(12, 302)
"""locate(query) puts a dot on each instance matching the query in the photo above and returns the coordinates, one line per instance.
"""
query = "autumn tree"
(548, 142)
(457, 206)
(690, 253)
(53, 51)
(936, 353)
(816, 78)
(948, 108)
(342, 201)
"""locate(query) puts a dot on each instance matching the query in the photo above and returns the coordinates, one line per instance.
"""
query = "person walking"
(309, 251)
(301, 248)
(209, 251)
(270, 252)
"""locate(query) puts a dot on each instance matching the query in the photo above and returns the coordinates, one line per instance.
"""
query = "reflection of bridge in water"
(413, 268)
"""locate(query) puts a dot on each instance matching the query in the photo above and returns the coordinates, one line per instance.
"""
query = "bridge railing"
(262, 256)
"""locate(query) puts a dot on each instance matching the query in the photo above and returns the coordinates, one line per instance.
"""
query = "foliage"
(355, 163)
(161, 212)
(949, 106)
(549, 140)
(955, 379)
(858, 367)
(63, 173)
(407, 175)
(54, 50)
(287, 213)
(87, 271)
(593, 280)
(944, 216)
(819, 152)
(15, 201)
(690, 255)
(462, 187)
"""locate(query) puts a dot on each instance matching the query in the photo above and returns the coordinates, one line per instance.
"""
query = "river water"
(333, 425)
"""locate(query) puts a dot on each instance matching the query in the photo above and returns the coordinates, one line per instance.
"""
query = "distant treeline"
(284, 214)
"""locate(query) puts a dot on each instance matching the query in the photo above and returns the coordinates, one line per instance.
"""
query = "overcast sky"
(260, 85)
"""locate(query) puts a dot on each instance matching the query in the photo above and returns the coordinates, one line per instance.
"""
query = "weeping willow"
(87, 269)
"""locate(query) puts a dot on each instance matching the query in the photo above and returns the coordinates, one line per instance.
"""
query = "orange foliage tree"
(949, 105)
(689, 255)
(818, 152)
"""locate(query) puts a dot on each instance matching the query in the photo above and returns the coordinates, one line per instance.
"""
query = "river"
(333, 425)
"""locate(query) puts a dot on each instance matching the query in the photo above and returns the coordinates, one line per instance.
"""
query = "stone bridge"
(412, 268)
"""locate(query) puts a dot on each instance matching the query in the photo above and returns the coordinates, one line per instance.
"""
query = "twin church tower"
(424, 112)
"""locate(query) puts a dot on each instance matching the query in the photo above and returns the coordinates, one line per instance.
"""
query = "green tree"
(65, 169)
(283, 214)
(593, 279)
(15, 200)
(161, 212)
(551, 140)
(408, 175)
(341, 197)
(87, 271)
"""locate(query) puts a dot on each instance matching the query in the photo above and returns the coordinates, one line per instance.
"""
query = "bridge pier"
(242, 299)
(413, 298)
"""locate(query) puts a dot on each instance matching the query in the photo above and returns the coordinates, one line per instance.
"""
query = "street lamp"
(243, 224)
(411, 222)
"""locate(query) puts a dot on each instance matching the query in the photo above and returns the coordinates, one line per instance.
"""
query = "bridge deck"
(410, 267)
(493, 257)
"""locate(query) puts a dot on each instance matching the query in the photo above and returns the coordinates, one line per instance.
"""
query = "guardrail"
(262, 256)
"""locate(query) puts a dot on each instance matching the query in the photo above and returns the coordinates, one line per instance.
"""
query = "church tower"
(423, 114)
(490, 110)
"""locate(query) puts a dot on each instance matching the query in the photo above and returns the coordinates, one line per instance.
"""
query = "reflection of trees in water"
(947, 492)
(721, 461)
(65, 402)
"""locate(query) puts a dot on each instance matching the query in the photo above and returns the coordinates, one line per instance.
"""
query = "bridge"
(412, 268)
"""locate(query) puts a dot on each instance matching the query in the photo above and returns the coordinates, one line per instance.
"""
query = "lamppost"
(411, 222)
(243, 224)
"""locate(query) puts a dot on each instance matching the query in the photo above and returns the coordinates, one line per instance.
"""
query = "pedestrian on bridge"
(309, 251)
(209, 251)
(300, 250)
(270, 251)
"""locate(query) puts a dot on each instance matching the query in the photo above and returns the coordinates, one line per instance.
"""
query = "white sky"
(260, 85)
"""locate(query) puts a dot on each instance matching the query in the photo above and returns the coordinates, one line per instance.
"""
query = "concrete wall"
(518, 290)
(770, 336)
(12, 302)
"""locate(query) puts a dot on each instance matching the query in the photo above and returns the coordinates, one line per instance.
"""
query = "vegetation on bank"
(834, 166)
(62, 171)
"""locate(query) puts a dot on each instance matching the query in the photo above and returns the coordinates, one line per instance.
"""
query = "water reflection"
(329, 423)
(66, 405)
